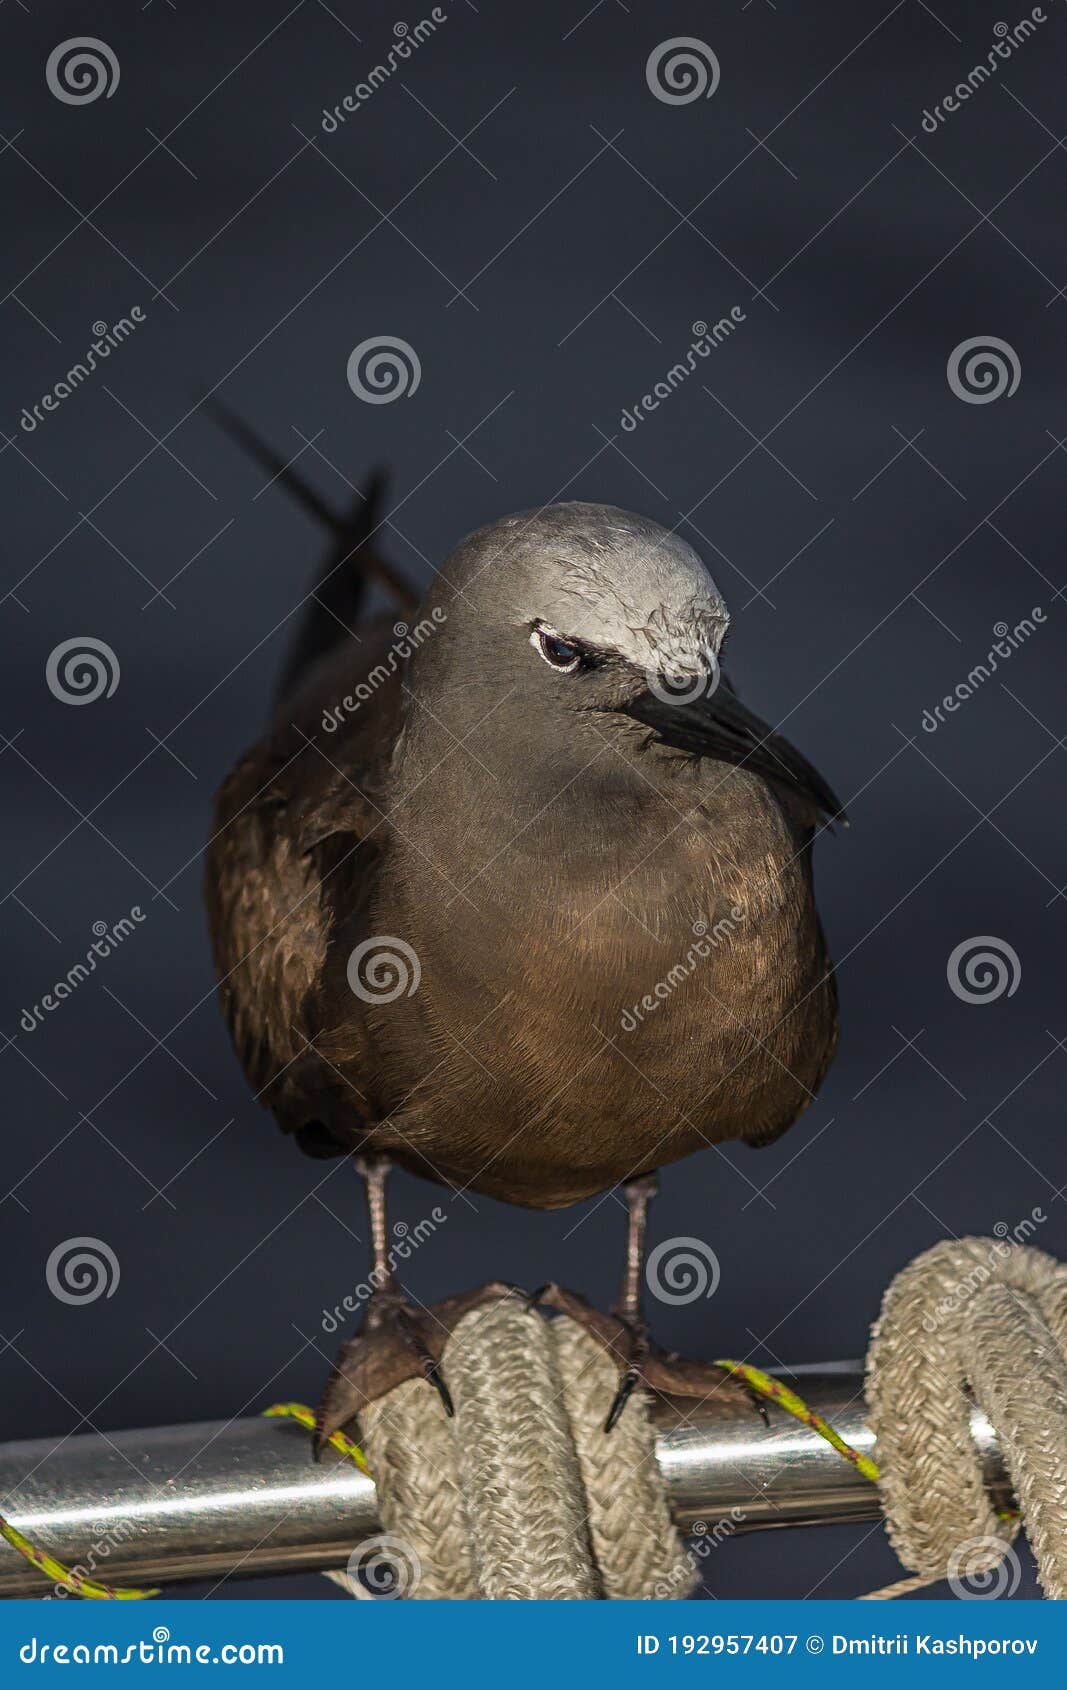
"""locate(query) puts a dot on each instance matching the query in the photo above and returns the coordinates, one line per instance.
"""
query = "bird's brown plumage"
(621, 960)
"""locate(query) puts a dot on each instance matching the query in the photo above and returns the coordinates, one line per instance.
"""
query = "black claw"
(532, 1298)
(760, 1406)
(627, 1385)
(430, 1370)
(433, 1374)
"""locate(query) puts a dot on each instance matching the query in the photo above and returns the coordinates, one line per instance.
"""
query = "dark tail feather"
(352, 560)
(336, 599)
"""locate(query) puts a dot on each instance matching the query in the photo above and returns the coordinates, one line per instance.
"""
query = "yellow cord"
(80, 1585)
(303, 1415)
(765, 1386)
(68, 1577)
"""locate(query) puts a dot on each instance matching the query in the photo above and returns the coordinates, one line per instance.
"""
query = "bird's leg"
(624, 1333)
(630, 1306)
(397, 1341)
(374, 1171)
(388, 1306)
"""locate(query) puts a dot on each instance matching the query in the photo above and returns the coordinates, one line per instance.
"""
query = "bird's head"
(570, 620)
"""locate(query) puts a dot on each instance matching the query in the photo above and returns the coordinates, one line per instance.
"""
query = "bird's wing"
(270, 893)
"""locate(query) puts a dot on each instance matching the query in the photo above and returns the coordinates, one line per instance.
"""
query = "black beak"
(719, 726)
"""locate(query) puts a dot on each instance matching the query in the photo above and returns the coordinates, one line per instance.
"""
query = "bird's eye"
(557, 653)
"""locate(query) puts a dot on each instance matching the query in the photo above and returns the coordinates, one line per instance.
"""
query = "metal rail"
(222, 1498)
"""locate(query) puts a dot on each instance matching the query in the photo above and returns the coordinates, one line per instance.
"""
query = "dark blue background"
(517, 205)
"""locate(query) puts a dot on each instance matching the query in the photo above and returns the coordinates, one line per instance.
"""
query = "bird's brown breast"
(568, 1039)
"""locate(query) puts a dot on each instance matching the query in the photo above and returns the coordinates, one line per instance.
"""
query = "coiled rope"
(521, 1496)
(975, 1320)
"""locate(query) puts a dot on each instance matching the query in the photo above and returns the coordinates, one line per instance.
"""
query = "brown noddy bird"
(519, 898)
